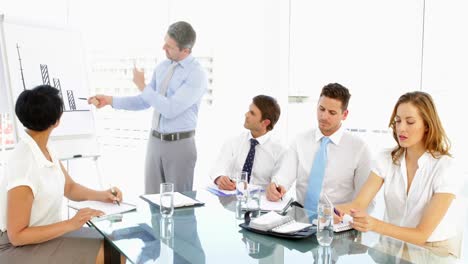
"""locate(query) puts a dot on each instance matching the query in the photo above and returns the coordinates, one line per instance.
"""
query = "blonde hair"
(435, 139)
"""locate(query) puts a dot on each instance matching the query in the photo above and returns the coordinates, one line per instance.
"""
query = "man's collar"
(335, 137)
(261, 140)
(185, 62)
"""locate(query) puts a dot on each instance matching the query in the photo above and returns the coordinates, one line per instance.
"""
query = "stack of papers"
(180, 200)
(107, 208)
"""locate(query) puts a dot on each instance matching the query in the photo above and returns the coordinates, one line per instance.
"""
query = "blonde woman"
(418, 179)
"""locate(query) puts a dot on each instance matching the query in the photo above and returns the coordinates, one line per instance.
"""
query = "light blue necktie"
(316, 177)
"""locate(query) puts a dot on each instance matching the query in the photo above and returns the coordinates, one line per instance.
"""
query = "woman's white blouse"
(27, 166)
(432, 176)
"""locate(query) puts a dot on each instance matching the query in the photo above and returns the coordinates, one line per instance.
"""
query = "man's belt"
(173, 136)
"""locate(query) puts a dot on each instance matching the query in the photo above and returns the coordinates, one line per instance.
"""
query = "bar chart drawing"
(58, 86)
(21, 66)
(71, 100)
(53, 56)
(45, 74)
(56, 81)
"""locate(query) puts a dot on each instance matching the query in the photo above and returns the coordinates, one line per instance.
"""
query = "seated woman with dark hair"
(31, 193)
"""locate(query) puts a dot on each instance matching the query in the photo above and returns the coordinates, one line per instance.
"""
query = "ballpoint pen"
(279, 190)
(114, 192)
(336, 211)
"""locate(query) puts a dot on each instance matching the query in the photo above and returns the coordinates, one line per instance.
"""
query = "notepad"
(107, 208)
(343, 226)
(275, 222)
(180, 200)
(279, 206)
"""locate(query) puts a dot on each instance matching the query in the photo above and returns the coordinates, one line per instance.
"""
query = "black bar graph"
(71, 100)
(44, 70)
(21, 66)
(45, 74)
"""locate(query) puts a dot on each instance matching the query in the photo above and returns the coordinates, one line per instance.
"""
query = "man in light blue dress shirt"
(175, 93)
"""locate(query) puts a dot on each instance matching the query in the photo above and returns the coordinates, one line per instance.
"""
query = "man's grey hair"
(183, 33)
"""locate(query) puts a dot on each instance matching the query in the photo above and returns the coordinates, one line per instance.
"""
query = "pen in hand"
(279, 190)
(114, 192)
(337, 213)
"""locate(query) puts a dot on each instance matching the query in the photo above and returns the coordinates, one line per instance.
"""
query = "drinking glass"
(242, 186)
(239, 213)
(252, 246)
(324, 255)
(253, 202)
(166, 228)
(167, 199)
(325, 224)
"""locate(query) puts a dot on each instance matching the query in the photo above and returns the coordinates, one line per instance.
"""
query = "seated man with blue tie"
(254, 151)
(328, 159)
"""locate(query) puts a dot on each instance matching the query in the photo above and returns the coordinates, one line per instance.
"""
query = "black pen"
(115, 194)
(279, 190)
(83, 98)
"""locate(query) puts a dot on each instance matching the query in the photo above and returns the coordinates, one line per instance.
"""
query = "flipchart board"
(35, 54)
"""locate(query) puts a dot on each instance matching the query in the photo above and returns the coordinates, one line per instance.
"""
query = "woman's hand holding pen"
(225, 183)
(275, 192)
(338, 215)
(112, 195)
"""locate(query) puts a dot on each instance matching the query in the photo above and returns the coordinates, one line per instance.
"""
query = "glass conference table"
(211, 234)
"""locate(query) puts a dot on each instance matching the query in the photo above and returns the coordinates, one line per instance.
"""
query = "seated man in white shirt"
(347, 158)
(254, 151)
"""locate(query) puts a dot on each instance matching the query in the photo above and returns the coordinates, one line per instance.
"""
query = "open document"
(107, 208)
(180, 200)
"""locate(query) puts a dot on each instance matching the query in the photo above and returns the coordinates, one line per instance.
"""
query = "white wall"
(373, 48)
(445, 67)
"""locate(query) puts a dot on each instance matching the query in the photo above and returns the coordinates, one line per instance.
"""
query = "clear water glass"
(252, 247)
(167, 199)
(239, 213)
(242, 186)
(166, 228)
(253, 202)
(325, 224)
(324, 255)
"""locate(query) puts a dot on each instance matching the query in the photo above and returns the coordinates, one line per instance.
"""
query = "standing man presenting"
(175, 92)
